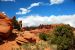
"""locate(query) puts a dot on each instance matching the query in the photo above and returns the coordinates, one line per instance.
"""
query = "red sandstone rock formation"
(5, 26)
(44, 28)
(27, 37)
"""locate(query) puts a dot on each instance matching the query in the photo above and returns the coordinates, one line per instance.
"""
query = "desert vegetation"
(16, 24)
(62, 37)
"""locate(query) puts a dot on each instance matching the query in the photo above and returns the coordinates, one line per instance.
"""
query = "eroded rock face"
(27, 37)
(5, 26)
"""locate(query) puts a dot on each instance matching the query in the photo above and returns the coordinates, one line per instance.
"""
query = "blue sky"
(26, 9)
(11, 7)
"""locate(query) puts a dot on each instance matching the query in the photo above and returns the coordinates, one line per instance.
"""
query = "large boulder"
(5, 26)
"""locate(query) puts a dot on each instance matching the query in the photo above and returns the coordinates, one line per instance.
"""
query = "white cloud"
(34, 4)
(27, 10)
(56, 1)
(23, 11)
(8, 0)
(37, 20)
(4, 13)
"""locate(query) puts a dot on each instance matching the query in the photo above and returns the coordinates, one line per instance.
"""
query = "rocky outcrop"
(48, 27)
(5, 26)
(27, 37)
(41, 28)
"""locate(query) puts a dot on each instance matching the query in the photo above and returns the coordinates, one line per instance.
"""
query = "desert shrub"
(27, 46)
(38, 46)
(62, 37)
(15, 23)
(44, 36)
(41, 45)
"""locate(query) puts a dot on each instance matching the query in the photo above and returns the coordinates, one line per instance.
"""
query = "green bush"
(15, 23)
(62, 37)
(44, 36)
